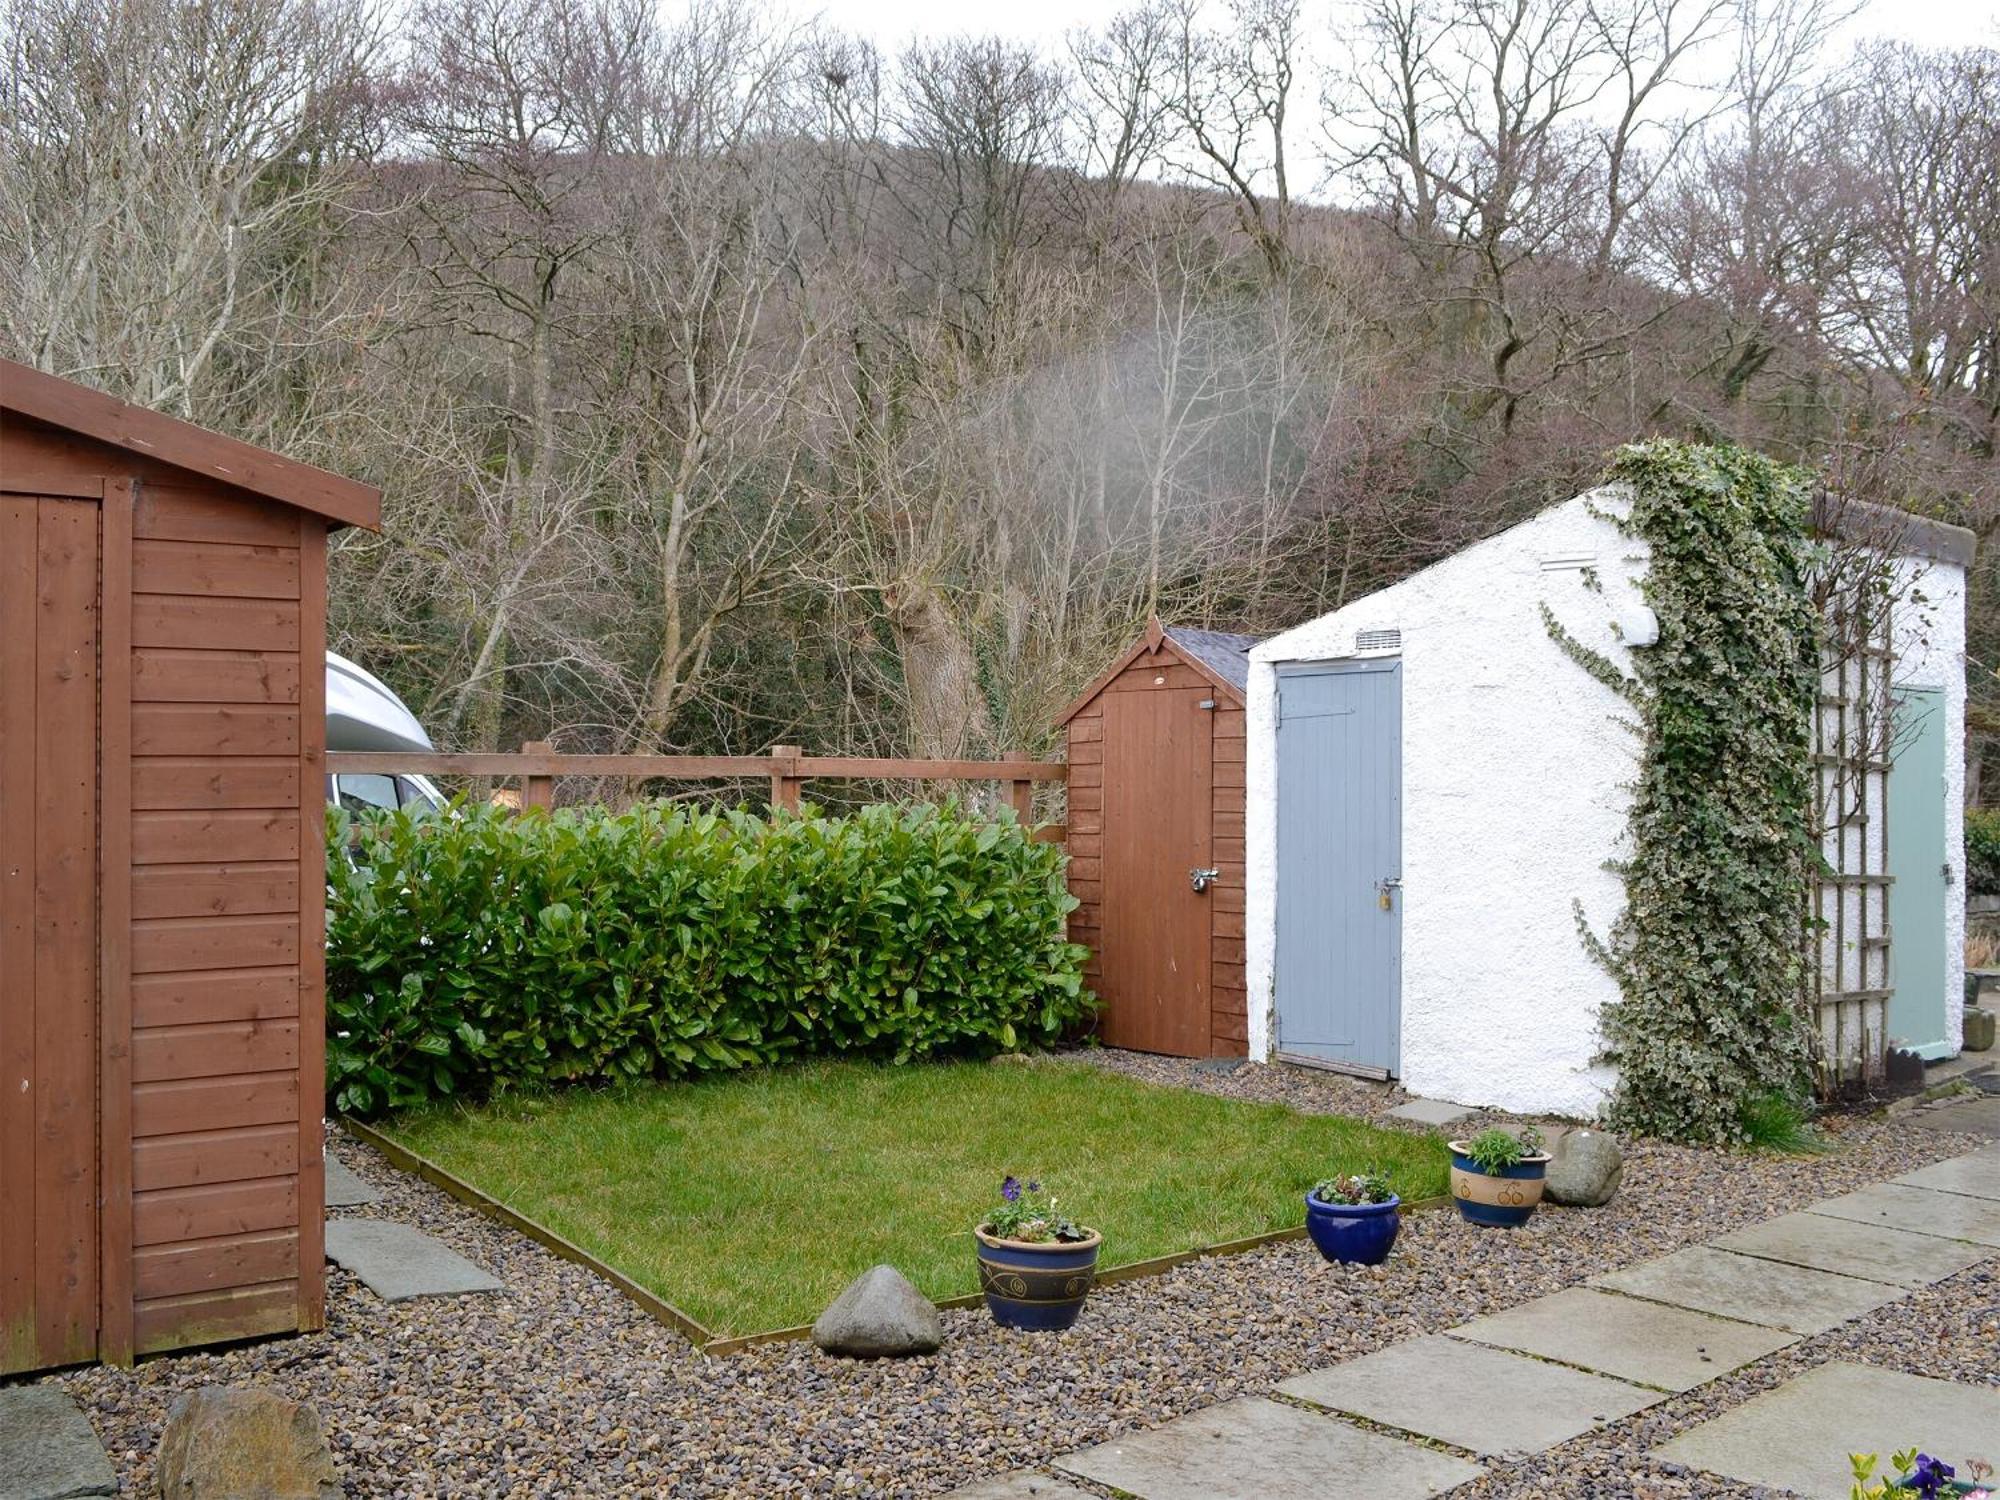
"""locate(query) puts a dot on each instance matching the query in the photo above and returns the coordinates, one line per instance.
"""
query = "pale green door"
(1918, 859)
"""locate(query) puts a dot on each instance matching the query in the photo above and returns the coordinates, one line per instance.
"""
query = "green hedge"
(1982, 850)
(485, 949)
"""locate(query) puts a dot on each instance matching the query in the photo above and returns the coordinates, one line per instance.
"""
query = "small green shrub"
(1982, 850)
(1782, 1126)
(484, 949)
(1495, 1151)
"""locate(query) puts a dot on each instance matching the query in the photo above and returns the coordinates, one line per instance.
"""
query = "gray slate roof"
(1226, 655)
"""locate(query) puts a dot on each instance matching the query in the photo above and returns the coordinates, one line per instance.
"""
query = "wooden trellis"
(1847, 935)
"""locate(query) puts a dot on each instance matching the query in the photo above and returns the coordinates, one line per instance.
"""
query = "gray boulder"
(880, 1314)
(229, 1443)
(1584, 1168)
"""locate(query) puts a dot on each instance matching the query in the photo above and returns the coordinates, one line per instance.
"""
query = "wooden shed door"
(48, 932)
(1158, 825)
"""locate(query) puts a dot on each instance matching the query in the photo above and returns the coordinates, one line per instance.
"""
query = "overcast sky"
(893, 22)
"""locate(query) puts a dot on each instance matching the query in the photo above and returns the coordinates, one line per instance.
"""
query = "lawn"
(748, 1200)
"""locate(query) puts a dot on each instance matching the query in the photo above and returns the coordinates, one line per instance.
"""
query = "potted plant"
(1035, 1264)
(1496, 1177)
(1353, 1219)
(1923, 1475)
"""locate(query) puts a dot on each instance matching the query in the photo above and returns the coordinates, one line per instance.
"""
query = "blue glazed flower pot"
(1355, 1234)
(1039, 1287)
(1506, 1199)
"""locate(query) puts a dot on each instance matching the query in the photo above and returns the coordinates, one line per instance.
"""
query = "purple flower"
(1010, 1189)
(1930, 1475)
(1034, 1187)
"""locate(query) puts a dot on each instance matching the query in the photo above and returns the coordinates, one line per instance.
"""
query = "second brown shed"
(162, 878)
(1156, 751)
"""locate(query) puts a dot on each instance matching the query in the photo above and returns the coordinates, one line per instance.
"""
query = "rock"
(879, 1314)
(229, 1443)
(1978, 1029)
(1584, 1168)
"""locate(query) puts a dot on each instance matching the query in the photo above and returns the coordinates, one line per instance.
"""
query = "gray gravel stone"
(1798, 1436)
(565, 1388)
(1849, 1248)
(224, 1444)
(344, 1189)
(1585, 1167)
(1428, 1112)
(1480, 1399)
(1751, 1289)
(1976, 1175)
(397, 1261)
(1891, 1205)
(1646, 1342)
(879, 1315)
(1261, 1450)
(47, 1448)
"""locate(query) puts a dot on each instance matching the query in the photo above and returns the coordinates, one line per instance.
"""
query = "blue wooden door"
(1917, 860)
(1340, 853)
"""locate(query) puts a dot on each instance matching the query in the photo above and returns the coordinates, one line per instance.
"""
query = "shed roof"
(1220, 657)
(1225, 654)
(47, 398)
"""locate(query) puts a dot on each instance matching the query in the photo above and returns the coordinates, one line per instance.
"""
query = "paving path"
(1415, 1419)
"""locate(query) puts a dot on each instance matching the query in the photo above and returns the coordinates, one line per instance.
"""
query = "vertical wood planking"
(312, 920)
(114, 917)
(18, 552)
(65, 864)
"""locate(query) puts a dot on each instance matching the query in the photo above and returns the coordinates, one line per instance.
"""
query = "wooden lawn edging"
(403, 1157)
(706, 1340)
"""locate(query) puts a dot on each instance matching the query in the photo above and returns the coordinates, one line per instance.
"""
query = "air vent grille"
(1379, 640)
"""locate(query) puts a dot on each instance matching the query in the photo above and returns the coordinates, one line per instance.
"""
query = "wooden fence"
(537, 766)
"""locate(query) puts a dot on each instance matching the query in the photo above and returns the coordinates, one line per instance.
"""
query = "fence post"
(785, 782)
(538, 790)
(1021, 792)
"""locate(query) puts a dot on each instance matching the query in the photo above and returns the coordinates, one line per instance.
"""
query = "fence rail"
(788, 768)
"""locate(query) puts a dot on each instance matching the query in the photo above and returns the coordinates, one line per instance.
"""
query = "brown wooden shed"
(162, 885)
(1156, 795)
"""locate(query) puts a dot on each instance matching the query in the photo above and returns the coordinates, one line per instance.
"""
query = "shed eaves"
(49, 399)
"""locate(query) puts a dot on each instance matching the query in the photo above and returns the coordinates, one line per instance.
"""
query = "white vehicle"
(363, 714)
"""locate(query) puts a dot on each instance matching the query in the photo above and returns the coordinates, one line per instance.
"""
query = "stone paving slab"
(1750, 1290)
(1973, 1117)
(1798, 1436)
(1253, 1449)
(1977, 1175)
(1918, 1210)
(344, 1189)
(48, 1449)
(1024, 1485)
(398, 1262)
(1853, 1249)
(1485, 1400)
(1428, 1112)
(1668, 1347)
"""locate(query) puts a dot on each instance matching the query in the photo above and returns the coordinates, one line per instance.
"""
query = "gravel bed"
(561, 1387)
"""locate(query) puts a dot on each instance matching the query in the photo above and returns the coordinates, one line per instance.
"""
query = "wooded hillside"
(733, 383)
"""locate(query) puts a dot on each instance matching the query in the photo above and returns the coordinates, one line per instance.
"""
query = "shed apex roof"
(1224, 653)
(77, 408)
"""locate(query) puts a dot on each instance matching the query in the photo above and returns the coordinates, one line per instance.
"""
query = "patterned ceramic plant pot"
(1506, 1198)
(1036, 1286)
(1357, 1234)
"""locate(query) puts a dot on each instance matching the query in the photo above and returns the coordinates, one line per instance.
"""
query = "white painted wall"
(1515, 766)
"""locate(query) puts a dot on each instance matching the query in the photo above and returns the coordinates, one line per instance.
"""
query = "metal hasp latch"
(1385, 891)
(1201, 880)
